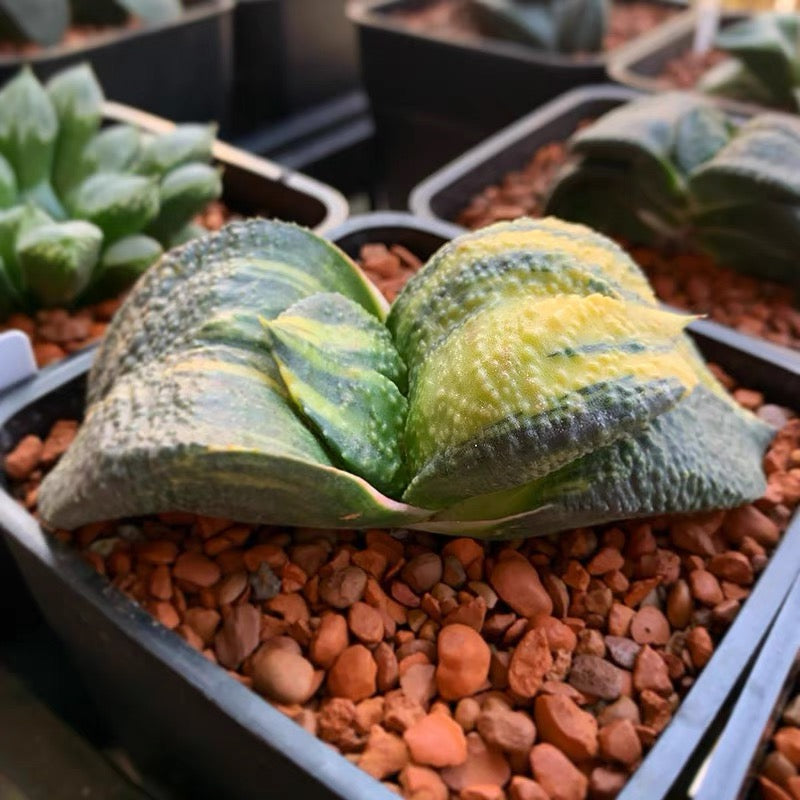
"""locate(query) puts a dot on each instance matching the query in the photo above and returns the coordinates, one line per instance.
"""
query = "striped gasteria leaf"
(675, 168)
(765, 67)
(524, 381)
(57, 165)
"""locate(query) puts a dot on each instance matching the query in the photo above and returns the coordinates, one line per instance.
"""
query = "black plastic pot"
(176, 712)
(289, 55)
(182, 70)
(738, 751)
(434, 97)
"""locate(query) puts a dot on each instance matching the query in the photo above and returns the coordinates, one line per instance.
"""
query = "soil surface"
(453, 19)
(691, 281)
(77, 36)
(532, 669)
(686, 70)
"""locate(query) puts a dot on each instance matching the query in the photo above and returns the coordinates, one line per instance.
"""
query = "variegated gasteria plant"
(84, 211)
(673, 168)
(524, 381)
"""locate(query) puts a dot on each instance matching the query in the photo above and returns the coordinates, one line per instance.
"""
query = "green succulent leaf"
(113, 149)
(56, 260)
(765, 46)
(13, 223)
(542, 375)
(28, 129)
(8, 184)
(340, 367)
(153, 12)
(184, 145)
(186, 234)
(121, 265)
(118, 204)
(563, 26)
(184, 192)
(42, 21)
(78, 100)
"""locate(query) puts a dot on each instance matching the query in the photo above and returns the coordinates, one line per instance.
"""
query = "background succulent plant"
(559, 26)
(766, 67)
(673, 168)
(84, 211)
(45, 22)
(520, 380)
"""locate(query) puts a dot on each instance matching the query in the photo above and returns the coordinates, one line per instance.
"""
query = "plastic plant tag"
(16, 359)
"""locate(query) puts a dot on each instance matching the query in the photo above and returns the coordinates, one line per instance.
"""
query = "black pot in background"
(181, 70)
(180, 715)
(290, 55)
(433, 97)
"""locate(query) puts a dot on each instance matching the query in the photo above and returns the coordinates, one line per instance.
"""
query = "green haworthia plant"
(84, 211)
(557, 26)
(766, 64)
(673, 168)
(525, 381)
(45, 22)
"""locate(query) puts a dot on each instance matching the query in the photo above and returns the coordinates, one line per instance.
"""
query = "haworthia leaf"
(153, 12)
(78, 99)
(530, 23)
(184, 145)
(184, 192)
(113, 149)
(28, 129)
(13, 223)
(121, 264)
(9, 295)
(341, 369)
(56, 260)
(699, 135)
(186, 234)
(581, 25)
(8, 184)
(119, 205)
(42, 21)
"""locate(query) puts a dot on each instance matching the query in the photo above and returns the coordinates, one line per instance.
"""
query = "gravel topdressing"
(538, 669)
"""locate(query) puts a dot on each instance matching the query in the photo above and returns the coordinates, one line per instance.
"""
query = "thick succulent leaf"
(581, 25)
(120, 205)
(187, 143)
(78, 101)
(341, 369)
(194, 391)
(762, 162)
(766, 44)
(56, 260)
(539, 258)
(608, 197)
(531, 23)
(28, 128)
(113, 149)
(153, 12)
(699, 456)
(184, 192)
(120, 266)
(9, 295)
(8, 184)
(13, 223)
(730, 78)
(186, 234)
(530, 385)
(640, 134)
(215, 288)
(699, 135)
(42, 21)
(207, 430)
